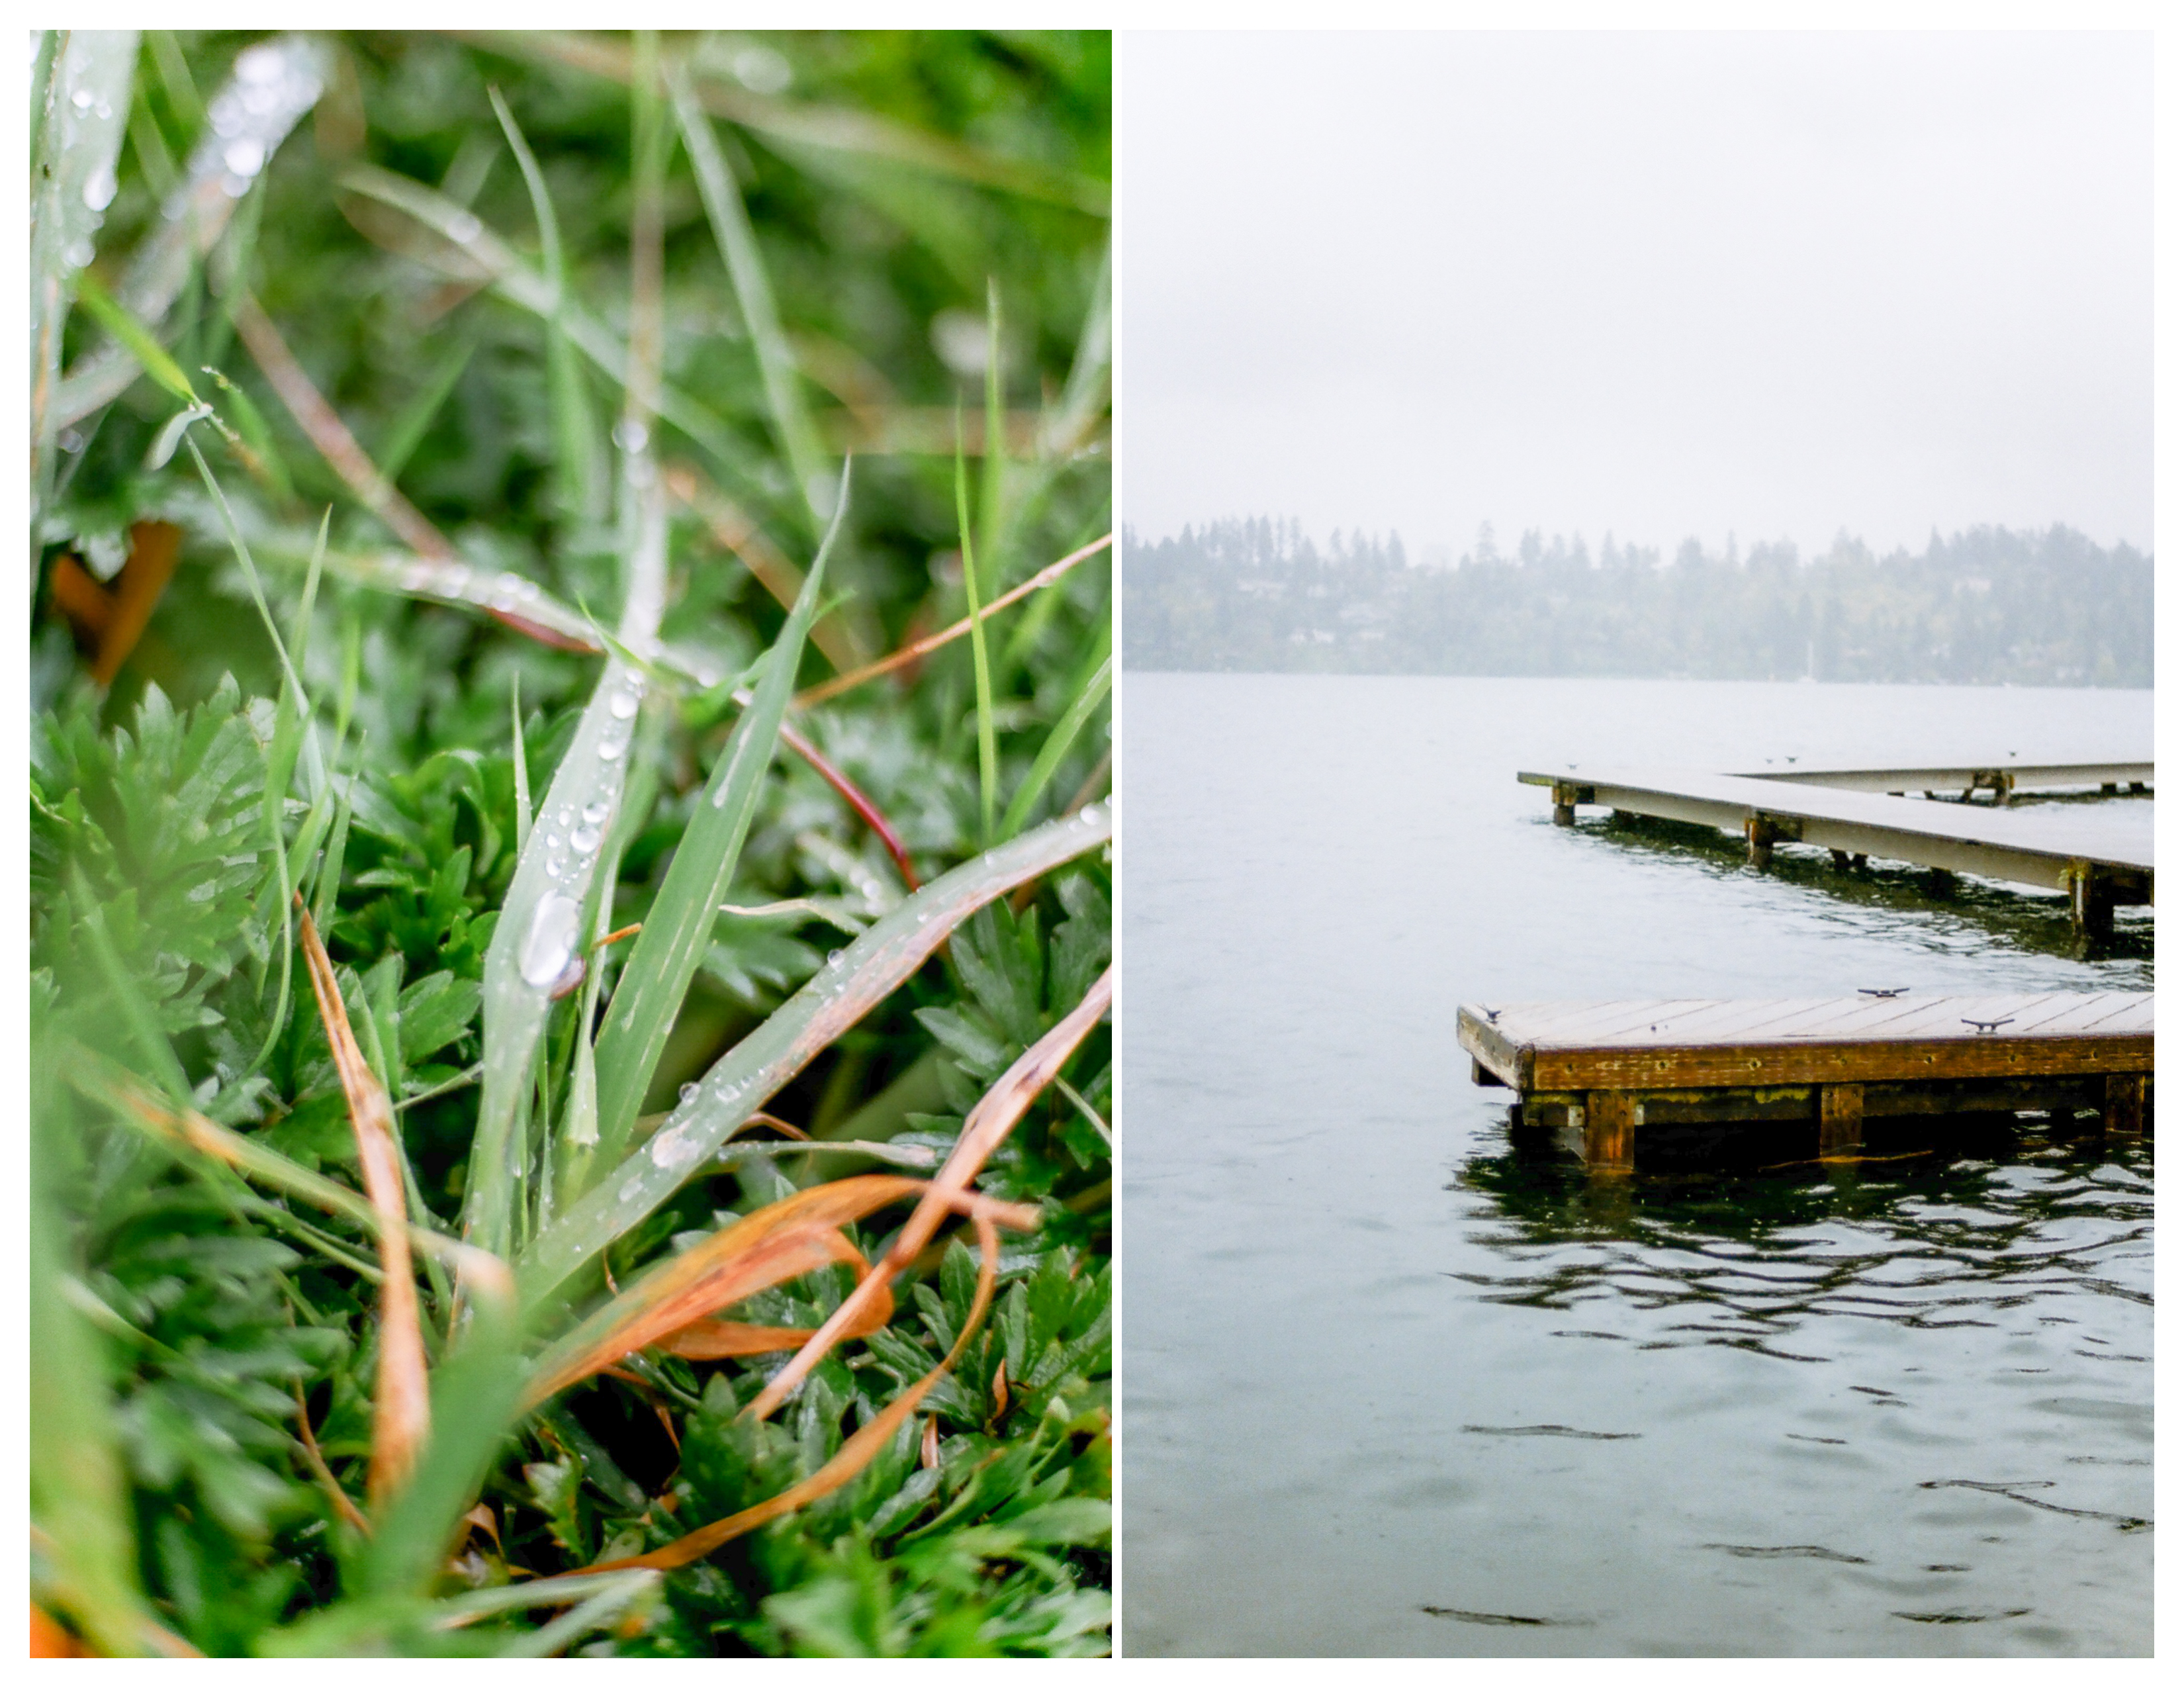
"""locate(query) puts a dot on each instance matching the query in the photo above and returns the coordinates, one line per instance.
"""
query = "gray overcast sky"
(1664, 284)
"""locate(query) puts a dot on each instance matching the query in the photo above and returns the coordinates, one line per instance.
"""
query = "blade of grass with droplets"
(535, 943)
(79, 142)
(534, 955)
(289, 76)
(732, 232)
(679, 926)
(578, 462)
(862, 976)
(988, 770)
(1088, 694)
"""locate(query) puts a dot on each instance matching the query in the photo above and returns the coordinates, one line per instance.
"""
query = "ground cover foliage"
(1987, 606)
(570, 1112)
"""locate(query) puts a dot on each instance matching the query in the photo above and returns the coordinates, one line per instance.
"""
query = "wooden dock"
(1816, 1069)
(2002, 781)
(2098, 866)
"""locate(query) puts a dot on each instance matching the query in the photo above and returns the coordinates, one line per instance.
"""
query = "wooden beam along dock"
(1812, 1069)
(2098, 866)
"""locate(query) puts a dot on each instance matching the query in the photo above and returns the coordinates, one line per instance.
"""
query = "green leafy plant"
(569, 1075)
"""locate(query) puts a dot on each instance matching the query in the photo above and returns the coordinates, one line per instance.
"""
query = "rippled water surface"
(1393, 1382)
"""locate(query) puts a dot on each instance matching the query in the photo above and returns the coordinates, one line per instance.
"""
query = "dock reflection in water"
(1394, 1381)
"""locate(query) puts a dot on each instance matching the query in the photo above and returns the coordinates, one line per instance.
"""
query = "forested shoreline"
(1986, 606)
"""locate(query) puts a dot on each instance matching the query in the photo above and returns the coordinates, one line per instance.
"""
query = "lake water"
(1395, 1384)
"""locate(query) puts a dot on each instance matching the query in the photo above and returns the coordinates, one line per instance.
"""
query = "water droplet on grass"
(549, 944)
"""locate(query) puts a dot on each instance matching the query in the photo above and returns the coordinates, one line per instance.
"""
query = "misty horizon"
(1780, 284)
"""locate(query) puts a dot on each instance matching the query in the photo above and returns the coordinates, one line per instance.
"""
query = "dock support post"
(1940, 882)
(1840, 858)
(1842, 1121)
(2092, 902)
(1611, 1131)
(1566, 801)
(2123, 1108)
(1759, 841)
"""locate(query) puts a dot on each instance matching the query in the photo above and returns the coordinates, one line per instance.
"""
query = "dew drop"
(677, 1148)
(556, 864)
(833, 957)
(552, 841)
(610, 749)
(686, 1092)
(464, 228)
(584, 840)
(81, 99)
(78, 253)
(596, 812)
(631, 435)
(98, 192)
(622, 705)
(549, 944)
(631, 1188)
(244, 155)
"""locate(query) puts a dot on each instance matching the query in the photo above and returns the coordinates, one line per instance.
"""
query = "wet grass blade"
(401, 1414)
(865, 974)
(86, 115)
(983, 1131)
(989, 772)
(731, 232)
(1089, 694)
(680, 925)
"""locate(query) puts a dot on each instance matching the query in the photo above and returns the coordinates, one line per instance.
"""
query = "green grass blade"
(135, 339)
(731, 232)
(865, 974)
(79, 1494)
(522, 766)
(994, 465)
(988, 762)
(474, 1395)
(1089, 694)
(679, 926)
(579, 465)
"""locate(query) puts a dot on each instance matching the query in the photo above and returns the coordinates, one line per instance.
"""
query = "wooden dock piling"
(1848, 813)
(1813, 1070)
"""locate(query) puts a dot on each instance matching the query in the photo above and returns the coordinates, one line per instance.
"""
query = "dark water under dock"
(1391, 1384)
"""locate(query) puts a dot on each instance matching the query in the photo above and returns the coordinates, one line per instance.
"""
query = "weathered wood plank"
(1611, 1131)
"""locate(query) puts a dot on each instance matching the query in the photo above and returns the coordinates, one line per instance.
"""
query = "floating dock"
(1847, 812)
(1816, 1069)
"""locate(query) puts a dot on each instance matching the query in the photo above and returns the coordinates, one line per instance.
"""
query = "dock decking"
(1811, 1065)
(2100, 867)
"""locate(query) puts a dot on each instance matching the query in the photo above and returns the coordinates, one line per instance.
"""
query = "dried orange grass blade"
(781, 1240)
(401, 1410)
(989, 1122)
(856, 1454)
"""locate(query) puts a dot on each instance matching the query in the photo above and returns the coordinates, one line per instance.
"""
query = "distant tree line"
(1986, 606)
